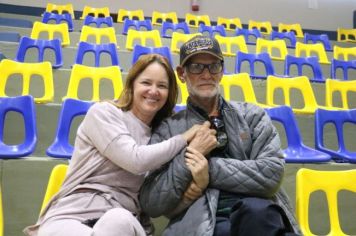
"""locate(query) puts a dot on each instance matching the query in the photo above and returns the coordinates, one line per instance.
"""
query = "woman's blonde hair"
(125, 101)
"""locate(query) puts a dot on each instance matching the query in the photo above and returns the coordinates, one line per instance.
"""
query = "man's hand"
(199, 167)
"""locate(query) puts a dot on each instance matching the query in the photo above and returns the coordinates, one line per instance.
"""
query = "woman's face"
(150, 92)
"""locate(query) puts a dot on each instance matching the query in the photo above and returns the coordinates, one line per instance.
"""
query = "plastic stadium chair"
(60, 9)
(301, 63)
(55, 182)
(98, 21)
(265, 27)
(26, 70)
(345, 66)
(343, 88)
(212, 30)
(346, 35)
(331, 182)
(159, 17)
(242, 81)
(249, 34)
(228, 43)
(51, 29)
(132, 15)
(41, 45)
(289, 37)
(98, 33)
(96, 12)
(195, 20)
(178, 39)
(318, 38)
(141, 50)
(12, 22)
(296, 28)
(10, 36)
(96, 74)
(174, 27)
(71, 108)
(229, 24)
(338, 119)
(183, 91)
(307, 50)
(252, 58)
(143, 36)
(26, 107)
(178, 108)
(97, 50)
(271, 47)
(346, 54)
(296, 151)
(299, 83)
(48, 17)
(136, 25)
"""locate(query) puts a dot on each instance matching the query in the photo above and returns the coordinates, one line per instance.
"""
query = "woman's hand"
(199, 167)
(190, 133)
(193, 192)
(204, 140)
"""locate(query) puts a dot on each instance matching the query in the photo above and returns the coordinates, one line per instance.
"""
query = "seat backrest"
(143, 36)
(96, 74)
(71, 108)
(346, 35)
(227, 44)
(98, 33)
(25, 106)
(132, 15)
(159, 17)
(343, 87)
(230, 24)
(344, 53)
(41, 45)
(252, 58)
(60, 9)
(27, 70)
(183, 92)
(97, 49)
(264, 27)
(212, 30)
(136, 25)
(98, 21)
(254, 33)
(174, 27)
(179, 38)
(96, 12)
(321, 38)
(271, 46)
(345, 66)
(290, 36)
(308, 50)
(195, 20)
(55, 182)
(296, 28)
(330, 182)
(142, 50)
(51, 29)
(58, 18)
(301, 63)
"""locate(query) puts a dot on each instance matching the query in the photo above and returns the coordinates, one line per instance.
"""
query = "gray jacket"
(255, 167)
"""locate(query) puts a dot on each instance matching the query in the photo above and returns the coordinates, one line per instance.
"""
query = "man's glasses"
(198, 68)
(219, 126)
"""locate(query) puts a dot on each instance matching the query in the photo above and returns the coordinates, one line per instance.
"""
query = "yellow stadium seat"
(26, 70)
(143, 36)
(330, 182)
(264, 27)
(179, 38)
(51, 29)
(96, 74)
(227, 43)
(98, 33)
(271, 47)
(230, 24)
(299, 83)
(183, 91)
(243, 81)
(195, 20)
(96, 12)
(159, 17)
(345, 54)
(296, 28)
(343, 87)
(55, 182)
(132, 15)
(346, 35)
(307, 50)
(60, 9)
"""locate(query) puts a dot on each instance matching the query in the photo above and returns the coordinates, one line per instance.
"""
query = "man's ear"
(181, 73)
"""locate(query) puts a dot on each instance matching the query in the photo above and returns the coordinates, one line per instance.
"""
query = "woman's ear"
(181, 73)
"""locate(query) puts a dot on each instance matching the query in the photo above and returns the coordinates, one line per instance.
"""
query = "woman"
(111, 157)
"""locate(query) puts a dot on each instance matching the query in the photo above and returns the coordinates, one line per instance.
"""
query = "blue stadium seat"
(345, 66)
(303, 62)
(253, 33)
(290, 36)
(252, 58)
(318, 38)
(169, 26)
(58, 18)
(98, 21)
(142, 50)
(212, 30)
(137, 25)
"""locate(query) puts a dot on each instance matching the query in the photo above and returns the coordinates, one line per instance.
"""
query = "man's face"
(203, 85)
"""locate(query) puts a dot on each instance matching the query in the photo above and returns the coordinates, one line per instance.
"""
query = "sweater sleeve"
(108, 133)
